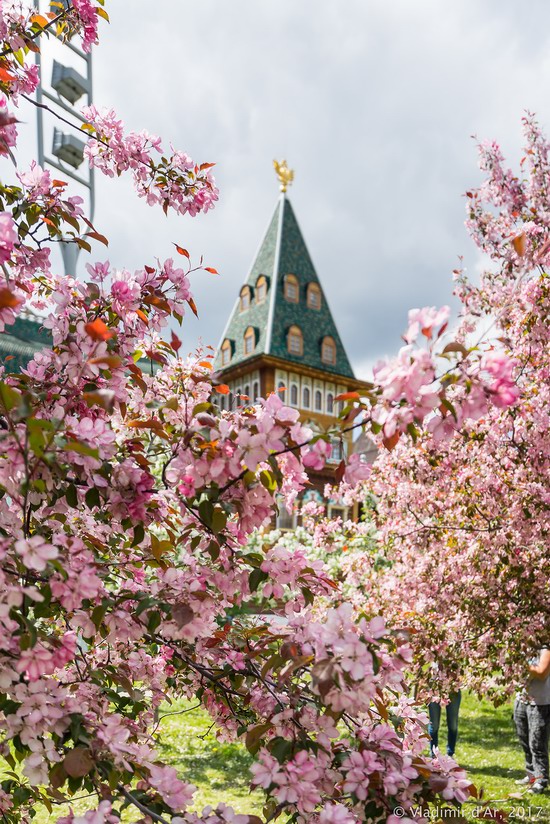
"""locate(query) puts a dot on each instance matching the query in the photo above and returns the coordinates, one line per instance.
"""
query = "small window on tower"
(292, 289)
(261, 289)
(294, 395)
(330, 403)
(306, 395)
(245, 298)
(318, 401)
(256, 391)
(328, 350)
(281, 388)
(249, 341)
(313, 296)
(226, 352)
(295, 341)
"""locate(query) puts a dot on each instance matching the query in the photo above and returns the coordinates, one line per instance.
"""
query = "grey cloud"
(372, 102)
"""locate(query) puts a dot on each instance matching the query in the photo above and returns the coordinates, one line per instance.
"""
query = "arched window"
(292, 289)
(294, 395)
(249, 340)
(256, 391)
(295, 341)
(226, 352)
(330, 403)
(281, 388)
(337, 452)
(306, 397)
(318, 400)
(238, 393)
(245, 298)
(328, 350)
(247, 391)
(314, 298)
(261, 289)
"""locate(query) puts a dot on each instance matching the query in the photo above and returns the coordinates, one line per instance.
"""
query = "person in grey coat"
(532, 721)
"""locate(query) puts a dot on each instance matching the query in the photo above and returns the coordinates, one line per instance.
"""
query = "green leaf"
(71, 496)
(81, 448)
(268, 480)
(206, 512)
(9, 397)
(219, 520)
(255, 579)
(139, 534)
(92, 498)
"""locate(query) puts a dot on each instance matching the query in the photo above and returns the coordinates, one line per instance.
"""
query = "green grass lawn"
(487, 749)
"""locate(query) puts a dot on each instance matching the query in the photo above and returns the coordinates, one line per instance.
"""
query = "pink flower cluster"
(174, 183)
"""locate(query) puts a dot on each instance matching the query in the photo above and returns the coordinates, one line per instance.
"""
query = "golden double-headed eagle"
(284, 174)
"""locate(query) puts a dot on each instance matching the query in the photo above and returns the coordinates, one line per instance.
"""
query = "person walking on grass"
(434, 711)
(532, 721)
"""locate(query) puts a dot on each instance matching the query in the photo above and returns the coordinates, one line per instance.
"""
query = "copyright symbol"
(399, 812)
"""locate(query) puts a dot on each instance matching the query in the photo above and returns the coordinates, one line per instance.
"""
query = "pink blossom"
(425, 321)
(35, 552)
(174, 792)
(8, 236)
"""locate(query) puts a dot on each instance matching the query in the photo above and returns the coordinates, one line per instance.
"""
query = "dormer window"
(245, 298)
(328, 350)
(249, 341)
(226, 352)
(295, 341)
(314, 298)
(261, 289)
(292, 289)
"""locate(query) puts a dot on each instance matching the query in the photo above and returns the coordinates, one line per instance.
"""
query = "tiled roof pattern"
(20, 341)
(287, 252)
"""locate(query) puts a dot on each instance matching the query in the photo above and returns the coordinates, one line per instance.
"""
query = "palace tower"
(281, 337)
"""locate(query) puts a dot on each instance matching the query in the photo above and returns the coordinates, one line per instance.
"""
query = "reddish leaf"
(348, 396)
(222, 389)
(211, 270)
(78, 762)
(98, 330)
(193, 307)
(110, 361)
(339, 471)
(59, 184)
(97, 236)
(8, 300)
(520, 244)
(149, 269)
(182, 615)
(205, 364)
(38, 18)
(206, 166)
(175, 342)
(391, 442)
(5, 75)
(454, 346)
(182, 251)
(141, 314)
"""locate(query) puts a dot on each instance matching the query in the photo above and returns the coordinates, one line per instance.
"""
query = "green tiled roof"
(283, 251)
(20, 341)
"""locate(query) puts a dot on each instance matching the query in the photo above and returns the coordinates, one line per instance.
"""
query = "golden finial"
(285, 175)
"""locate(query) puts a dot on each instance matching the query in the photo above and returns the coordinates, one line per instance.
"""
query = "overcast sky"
(373, 103)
